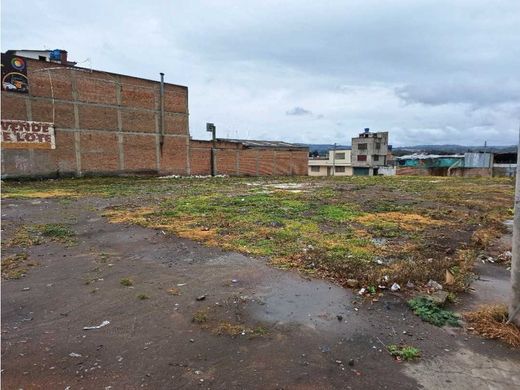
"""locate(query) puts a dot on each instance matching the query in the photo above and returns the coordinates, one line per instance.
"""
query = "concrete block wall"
(105, 123)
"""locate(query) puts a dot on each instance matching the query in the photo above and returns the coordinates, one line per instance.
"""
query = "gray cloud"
(428, 71)
(477, 92)
(298, 111)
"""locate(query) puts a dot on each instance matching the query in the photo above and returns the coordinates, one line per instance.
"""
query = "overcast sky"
(304, 71)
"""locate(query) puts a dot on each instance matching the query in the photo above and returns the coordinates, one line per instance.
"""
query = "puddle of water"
(311, 303)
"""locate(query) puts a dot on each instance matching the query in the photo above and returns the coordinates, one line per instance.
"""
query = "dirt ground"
(254, 326)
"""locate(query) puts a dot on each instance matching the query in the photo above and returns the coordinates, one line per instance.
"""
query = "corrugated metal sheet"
(478, 160)
(428, 161)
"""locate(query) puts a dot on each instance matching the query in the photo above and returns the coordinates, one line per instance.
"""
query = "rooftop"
(264, 144)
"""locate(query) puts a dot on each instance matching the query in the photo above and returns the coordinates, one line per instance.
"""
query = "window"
(340, 169)
(42, 58)
(378, 145)
(362, 146)
(315, 169)
(375, 157)
(340, 156)
(362, 157)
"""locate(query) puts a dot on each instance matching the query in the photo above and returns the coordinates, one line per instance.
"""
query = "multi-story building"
(369, 152)
(336, 163)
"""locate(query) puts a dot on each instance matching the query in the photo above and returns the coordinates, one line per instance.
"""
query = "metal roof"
(422, 156)
(263, 144)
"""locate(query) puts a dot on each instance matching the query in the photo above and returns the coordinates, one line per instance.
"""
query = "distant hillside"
(451, 149)
(323, 149)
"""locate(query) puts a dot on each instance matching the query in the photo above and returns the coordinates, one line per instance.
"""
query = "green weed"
(403, 352)
(428, 311)
(127, 282)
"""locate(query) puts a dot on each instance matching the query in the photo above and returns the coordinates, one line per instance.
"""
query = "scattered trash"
(339, 317)
(395, 287)
(26, 289)
(410, 285)
(119, 358)
(73, 354)
(339, 362)
(201, 297)
(104, 323)
(362, 291)
(434, 285)
(351, 362)
(192, 340)
(181, 284)
(234, 281)
(449, 279)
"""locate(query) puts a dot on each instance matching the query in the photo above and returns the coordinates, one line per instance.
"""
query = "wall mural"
(14, 74)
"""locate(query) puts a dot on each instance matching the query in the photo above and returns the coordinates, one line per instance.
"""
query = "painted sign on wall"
(27, 135)
(14, 74)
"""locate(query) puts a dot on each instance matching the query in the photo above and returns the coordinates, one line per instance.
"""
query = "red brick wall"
(109, 124)
(236, 160)
(104, 123)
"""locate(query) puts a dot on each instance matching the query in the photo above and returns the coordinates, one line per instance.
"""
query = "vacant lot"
(179, 314)
(369, 230)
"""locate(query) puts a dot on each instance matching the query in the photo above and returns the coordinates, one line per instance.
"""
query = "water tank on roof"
(55, 55)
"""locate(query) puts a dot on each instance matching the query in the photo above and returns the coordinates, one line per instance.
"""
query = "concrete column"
(188, 157)
(77, 134)
(237, 162)
(120, 137)
(158, 133)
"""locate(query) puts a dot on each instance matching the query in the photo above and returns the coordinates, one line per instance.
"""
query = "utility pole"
(514, 306)
(213, 130)
(334, 161)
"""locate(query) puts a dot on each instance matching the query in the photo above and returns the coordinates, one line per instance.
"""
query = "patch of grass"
(428, 311)
(490, 322)
(13, 267)
(127, 282)
(337, 213)
(324, 228)
(142, 297)
(404, 352)
(200, 316)
(229, 329)
(57, 231)
(30, 235)
(25, 236)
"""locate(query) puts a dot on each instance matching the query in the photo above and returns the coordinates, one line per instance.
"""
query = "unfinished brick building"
(59, 120)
